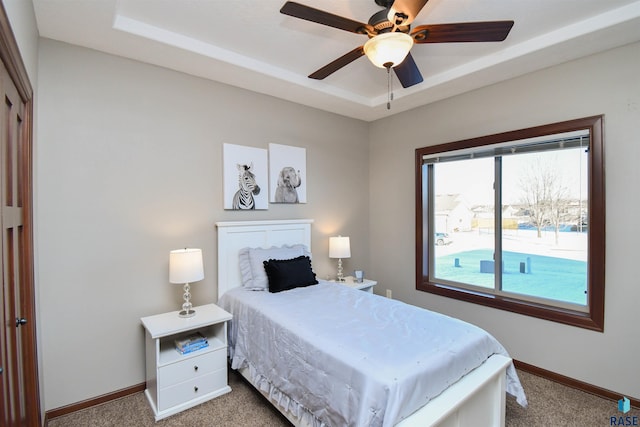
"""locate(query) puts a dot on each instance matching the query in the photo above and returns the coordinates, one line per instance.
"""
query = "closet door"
(19, 395)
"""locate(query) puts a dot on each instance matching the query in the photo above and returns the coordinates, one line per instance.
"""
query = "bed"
(326, 354)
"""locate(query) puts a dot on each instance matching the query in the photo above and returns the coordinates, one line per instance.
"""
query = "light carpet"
(550, 404)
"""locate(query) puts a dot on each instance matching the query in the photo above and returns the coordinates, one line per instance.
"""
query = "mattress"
(352, 358)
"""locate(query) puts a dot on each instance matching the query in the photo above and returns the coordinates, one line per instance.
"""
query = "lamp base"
(187, 313)
(340, 277)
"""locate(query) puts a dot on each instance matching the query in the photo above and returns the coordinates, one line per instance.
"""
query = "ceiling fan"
(391, 37)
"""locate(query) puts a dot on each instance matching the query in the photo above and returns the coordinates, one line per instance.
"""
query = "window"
(516, 221)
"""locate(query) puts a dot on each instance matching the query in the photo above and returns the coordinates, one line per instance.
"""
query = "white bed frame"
(476, 400)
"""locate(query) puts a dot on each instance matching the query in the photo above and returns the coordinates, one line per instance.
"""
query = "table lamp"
(185, 266)
(339, 247)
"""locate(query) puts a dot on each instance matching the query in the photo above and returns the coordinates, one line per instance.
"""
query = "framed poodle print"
(245, 177)
(287, 174)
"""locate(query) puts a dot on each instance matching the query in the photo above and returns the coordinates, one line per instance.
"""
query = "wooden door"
(19, 395)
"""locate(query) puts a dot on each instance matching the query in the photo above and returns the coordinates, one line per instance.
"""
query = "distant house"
(484, 217)
(510, 217)
(452, 213)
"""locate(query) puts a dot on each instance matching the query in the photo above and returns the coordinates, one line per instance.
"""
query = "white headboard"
(235, 235)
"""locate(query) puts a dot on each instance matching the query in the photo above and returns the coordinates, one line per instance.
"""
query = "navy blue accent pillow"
(286, 274)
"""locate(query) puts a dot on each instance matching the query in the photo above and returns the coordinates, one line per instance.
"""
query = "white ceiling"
(250, 44)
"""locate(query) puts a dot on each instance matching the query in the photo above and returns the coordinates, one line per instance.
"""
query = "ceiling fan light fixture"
(388, 48)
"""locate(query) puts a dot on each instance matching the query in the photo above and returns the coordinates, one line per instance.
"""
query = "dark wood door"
(19, 395)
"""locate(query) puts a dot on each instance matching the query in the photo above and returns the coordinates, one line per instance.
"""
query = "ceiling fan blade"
(408, 72)
(403, 12)
(307, 13)
(334, 66)
(489, 31)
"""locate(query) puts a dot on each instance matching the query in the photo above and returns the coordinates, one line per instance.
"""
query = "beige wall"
(117, 143)
(601, 84)
(129, 167)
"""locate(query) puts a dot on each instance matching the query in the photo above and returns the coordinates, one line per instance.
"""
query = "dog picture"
(288, 182)
(287, 174)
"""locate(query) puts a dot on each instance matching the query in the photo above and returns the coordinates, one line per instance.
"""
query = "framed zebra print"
(245, 176)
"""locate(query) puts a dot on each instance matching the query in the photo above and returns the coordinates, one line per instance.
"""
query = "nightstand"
(176, 381)
(366, 284)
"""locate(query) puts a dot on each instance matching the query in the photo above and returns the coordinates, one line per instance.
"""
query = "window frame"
(593, 317)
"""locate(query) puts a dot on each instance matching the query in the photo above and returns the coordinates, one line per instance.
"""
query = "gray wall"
(129, 167)
(601, 84)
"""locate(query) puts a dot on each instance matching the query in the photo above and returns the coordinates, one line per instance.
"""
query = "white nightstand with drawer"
(176, 381)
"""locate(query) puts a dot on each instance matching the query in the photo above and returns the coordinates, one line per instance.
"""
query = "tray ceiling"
(250, 44)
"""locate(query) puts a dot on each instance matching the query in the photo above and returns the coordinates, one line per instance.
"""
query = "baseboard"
(573, 383)
(64, 410)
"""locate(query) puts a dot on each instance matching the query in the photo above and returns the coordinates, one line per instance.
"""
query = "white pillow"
(251, 261)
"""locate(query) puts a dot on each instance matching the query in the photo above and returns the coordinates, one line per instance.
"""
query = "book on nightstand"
(190, 343)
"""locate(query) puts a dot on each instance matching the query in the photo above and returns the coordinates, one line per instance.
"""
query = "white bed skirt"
(476, 400)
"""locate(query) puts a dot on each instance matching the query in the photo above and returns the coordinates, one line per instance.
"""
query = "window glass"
(464, 221)
(544, 233)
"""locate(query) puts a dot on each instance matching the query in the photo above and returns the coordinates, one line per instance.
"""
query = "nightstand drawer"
(192, 389)
(192, 368)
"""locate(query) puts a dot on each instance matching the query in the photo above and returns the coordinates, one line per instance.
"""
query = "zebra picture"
(243, 199)
(245, 177)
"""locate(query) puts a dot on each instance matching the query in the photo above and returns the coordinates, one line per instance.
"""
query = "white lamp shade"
(185, 266)
(339, 247)
(388, 48)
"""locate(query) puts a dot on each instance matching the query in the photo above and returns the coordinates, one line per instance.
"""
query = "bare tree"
(544, 195)
(558, 206)
(535, 183)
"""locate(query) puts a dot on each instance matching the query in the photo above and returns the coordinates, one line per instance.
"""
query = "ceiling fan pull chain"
(390, 87)
(389, 92)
